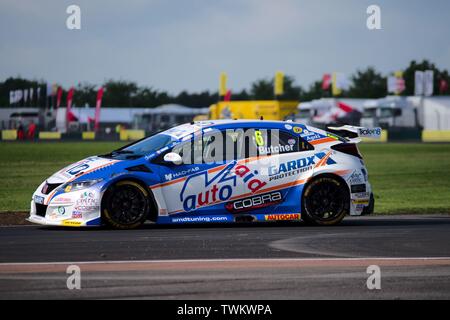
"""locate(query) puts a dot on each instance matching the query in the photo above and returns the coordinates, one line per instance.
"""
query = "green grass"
(409, 178)
(23, 167)
(406, 178)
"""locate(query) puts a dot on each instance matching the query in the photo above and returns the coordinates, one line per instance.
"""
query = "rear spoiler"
(355, 133)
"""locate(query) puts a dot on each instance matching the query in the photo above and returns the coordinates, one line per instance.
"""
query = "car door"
(283, 164)
(202, 181)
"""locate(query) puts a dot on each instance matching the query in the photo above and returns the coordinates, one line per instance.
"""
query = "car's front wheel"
(125, 205)
(326, 201)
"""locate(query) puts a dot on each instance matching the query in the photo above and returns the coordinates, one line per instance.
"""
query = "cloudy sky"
(184, 44)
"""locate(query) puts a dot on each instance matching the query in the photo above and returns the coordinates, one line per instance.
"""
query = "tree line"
(366, 83)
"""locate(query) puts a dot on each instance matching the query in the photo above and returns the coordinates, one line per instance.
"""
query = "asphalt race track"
(258, 261)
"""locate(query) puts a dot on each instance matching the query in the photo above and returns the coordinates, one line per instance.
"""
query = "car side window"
(281, 142)
(207, 148)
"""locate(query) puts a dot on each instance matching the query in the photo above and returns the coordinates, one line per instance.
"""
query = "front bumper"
(73, 209)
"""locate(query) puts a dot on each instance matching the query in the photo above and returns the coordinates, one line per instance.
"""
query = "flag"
(18, 95)
(401, 85)
(54, 89)
(326, 81)
(31, 94)
(227, 96)
(279, 83)
(392, 84)
(396, 83)
(223, 84)
(97, 108)
(418, 83)
(58, 97)
(428, 83)
(340, 82)
(12, 97)
(69, 115)
(49, 90)
(443, 86)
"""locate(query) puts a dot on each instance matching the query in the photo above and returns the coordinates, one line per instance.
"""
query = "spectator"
(31, 130)
(20, 131)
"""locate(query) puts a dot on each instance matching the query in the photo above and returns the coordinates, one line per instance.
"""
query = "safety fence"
(391, 135)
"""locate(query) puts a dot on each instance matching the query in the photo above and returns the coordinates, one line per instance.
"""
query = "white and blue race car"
(214, 171)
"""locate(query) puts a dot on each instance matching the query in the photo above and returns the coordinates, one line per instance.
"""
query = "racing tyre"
(125, 205)
(326, 201)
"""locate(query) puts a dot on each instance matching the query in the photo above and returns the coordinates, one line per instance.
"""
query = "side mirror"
(173, 157)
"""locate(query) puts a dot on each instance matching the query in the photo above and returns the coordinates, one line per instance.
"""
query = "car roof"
(228, 123)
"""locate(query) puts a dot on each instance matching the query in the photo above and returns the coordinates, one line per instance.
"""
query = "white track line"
(225, 260)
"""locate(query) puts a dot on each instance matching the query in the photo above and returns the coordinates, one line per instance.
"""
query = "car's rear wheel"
(326, 201)
(125, 205)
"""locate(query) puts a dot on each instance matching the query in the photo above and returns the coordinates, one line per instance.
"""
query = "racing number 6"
(259, 138)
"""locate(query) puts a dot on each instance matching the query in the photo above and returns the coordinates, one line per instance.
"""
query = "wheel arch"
(153, 212)
(329, 175)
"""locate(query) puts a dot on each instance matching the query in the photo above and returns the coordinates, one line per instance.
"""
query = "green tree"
(409, 76)
(263, 89)
(85, 94)
(119, 93)
(368, 84)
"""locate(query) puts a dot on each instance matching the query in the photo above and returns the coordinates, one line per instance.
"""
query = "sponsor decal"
(70, 223)
(371, 133)
(291, 168)
(288, 126)
(77, 215)
(361, 201)
(275, 149)
(313, 136)
(175, 175)
(310, 135)
(87, 202)
(364, 195)
(282, 217)
(61, 210)
(200, 219)
(61, 201)
(255, 202)
(298, 130)
(219, 187)
(39, 199)
(80, 167)
(291, 141)
(332, 136)
(162, 150)
(182, 131)
(356, 178)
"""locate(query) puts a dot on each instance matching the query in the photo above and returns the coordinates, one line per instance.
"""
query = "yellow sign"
(282, 217)
(268, 109)
(223, 84)
(335, 87)
(70, 223)
(279, 83)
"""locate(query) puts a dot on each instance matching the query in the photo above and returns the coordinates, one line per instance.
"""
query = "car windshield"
(143, 147)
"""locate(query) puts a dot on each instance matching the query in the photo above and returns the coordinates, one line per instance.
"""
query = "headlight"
(80, 185)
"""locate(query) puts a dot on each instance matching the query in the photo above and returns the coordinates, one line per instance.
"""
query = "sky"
(176, 45)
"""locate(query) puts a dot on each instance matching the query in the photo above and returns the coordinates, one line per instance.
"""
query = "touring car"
(223, 171)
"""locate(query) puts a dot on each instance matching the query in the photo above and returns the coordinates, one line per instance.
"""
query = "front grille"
(41, 209)
(49, 187)
(358, 188)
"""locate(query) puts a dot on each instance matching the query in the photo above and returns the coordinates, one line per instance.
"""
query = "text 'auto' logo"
(219, 187)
